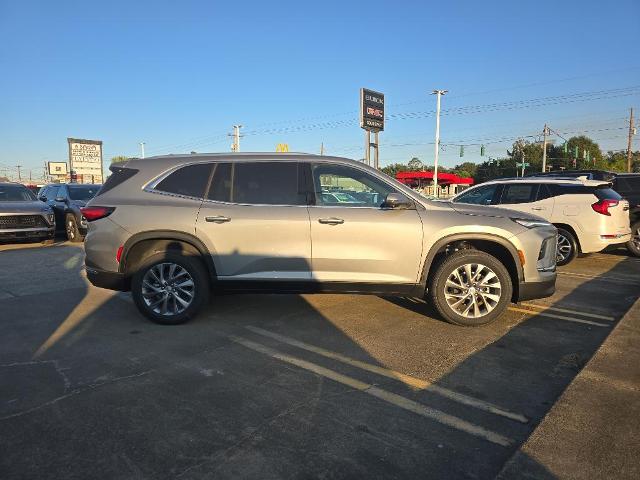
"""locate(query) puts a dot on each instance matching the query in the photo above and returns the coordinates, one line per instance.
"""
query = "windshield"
(83, 192)
(15, 193)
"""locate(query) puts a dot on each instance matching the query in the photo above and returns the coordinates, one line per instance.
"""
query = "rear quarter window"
(190, 181)
(118, 176)
(607, 194)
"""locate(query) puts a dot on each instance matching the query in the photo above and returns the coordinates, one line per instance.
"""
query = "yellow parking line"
(414, 382)
(559, 317)
(566, 310)
(392, 398)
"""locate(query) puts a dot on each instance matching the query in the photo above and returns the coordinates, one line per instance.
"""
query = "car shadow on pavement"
(266, 386)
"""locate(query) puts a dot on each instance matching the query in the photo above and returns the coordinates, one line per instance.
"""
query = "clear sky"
(178, 74)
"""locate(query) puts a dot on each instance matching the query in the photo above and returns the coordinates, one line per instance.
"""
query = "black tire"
(201, 287)
(633, 245)
(568, 240)
(71, 229)
(447, 269)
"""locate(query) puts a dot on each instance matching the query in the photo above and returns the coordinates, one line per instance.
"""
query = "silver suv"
(173, 228)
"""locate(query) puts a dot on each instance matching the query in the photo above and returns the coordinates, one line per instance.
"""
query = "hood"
(36, 206)
(489, 211)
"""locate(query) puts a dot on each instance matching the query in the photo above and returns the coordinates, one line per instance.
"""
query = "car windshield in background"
(15, 193)
(83, 192)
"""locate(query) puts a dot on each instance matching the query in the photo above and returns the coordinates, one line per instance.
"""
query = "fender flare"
(469, 236)
(168, 235)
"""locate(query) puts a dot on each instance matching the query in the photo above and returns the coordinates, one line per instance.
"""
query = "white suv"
(588, 214)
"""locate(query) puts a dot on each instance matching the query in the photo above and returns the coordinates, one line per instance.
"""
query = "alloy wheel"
(563, 250)
(71, 230)
(472, 290)
(635, 238)
(167, 289)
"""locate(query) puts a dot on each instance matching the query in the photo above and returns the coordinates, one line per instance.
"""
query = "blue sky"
(178, 75)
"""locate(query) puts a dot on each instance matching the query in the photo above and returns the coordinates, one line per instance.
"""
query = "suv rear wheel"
(567, 247)
(471, 288)
(633, 245)
(71, 229)
(170, 288)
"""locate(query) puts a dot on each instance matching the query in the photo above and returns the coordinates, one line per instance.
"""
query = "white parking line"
(559, 317)
(392, 398)
(566, 310)
(414, 382)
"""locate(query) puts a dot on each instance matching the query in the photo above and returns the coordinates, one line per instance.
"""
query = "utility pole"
(438, 94)
(235, 147)
(545, 132)
(142, 149)
(322, 148)
(19, 177)
(631, 132)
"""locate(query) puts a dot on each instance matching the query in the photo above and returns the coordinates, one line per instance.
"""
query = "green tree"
(415, 164)
(465, 169)
(394, 168)
(119, 159)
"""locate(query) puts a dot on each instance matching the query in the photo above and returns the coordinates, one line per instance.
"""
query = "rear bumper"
(533, 290)
(108, 280)
(595, 243)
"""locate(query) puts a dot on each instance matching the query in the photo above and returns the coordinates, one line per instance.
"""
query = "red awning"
(443, 178)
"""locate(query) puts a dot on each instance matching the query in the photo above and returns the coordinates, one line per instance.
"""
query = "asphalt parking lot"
(281, 386)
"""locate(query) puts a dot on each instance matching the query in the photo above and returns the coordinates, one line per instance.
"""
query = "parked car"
(66, 201)
(171, 228)
(627, 185)
(22, 216)
(589, 214)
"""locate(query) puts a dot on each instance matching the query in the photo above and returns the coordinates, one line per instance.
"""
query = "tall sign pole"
(371, 120)
(438, 94)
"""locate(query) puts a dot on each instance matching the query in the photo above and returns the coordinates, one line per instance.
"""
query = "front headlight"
(531, 223)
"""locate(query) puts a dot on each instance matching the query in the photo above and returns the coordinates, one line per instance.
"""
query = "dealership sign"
(58, 168)
(85, 159)
(371, 110)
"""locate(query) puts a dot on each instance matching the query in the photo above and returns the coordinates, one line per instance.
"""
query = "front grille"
(9, 222)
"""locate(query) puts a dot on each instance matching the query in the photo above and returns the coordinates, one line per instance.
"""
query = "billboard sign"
(57, 168)
(371, 110)
(85, 158)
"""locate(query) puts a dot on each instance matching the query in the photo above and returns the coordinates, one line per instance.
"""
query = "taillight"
(602, 207)
(119, 253)
(96, 213)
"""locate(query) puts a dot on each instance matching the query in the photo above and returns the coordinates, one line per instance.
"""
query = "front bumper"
(109, 280)
(533, 290)
(27, 233)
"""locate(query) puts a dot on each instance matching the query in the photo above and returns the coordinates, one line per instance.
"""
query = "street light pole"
(438, 94)
(545, 132)
(142, 148)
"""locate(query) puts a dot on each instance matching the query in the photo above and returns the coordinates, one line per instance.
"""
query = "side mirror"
(397, 201)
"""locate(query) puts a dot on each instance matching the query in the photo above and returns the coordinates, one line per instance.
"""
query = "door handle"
(330, 221)
(538, 208)
(218, 219)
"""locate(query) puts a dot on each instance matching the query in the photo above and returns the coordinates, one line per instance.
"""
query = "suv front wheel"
(471, 288)
(170, 288)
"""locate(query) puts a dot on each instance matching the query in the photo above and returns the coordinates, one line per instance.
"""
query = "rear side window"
(543, 192)
(607, 194)
(519, 193)
(268, 183)
(118, 176)
(190, 181)
(220, 189)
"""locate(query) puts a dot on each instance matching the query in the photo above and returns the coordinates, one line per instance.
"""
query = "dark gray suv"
(22, 216)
